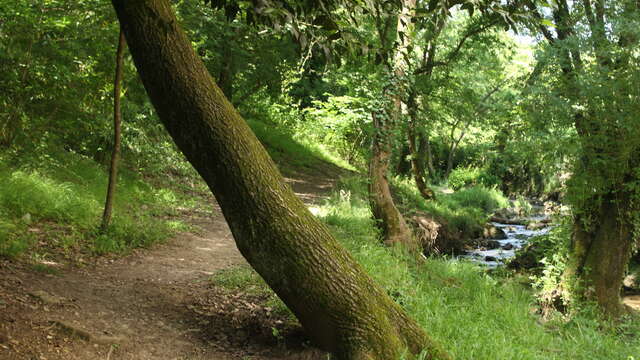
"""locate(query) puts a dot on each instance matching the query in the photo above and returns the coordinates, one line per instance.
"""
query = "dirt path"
(142, 306)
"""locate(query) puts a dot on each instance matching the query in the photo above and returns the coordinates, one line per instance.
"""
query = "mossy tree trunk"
(388, 218)
(600, 253)
(340, 307)
(115, 154)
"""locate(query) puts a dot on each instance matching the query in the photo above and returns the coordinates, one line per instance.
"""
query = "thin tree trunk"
(449, 162)
(416, 165)
(340, 307)
(113, 169)
(452, 150)
(425, 148)
(227, 70)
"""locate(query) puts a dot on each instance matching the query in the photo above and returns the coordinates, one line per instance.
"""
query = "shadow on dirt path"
(139, 306)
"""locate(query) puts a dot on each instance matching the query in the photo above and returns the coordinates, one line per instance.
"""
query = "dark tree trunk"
(227, 70)
(403, 165)
(600, 254)
(416, 165)
(113, 169)
(339, 306)
(450, 158)
(425, 150)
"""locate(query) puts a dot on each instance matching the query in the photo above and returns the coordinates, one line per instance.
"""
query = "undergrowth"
(465, 211)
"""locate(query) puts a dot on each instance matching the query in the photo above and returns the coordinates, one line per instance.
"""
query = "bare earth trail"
(142, 306)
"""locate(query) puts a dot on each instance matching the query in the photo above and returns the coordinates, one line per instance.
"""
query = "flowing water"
(517, 237)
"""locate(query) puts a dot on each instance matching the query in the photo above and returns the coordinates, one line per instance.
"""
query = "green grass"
(474, 314)
(471, 176)
(68, 190)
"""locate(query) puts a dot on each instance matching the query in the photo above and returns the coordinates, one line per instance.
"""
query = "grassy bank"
(56, 202)
(291, 153)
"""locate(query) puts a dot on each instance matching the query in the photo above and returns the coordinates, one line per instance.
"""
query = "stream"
(516, 237)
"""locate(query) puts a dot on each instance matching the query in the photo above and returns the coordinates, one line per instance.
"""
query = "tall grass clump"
(461, 177)
(486, 199)
(43, 198)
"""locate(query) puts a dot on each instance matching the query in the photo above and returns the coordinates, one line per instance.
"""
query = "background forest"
(440, 127)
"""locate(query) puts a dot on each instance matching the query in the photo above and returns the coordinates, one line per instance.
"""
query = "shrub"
(470, 176)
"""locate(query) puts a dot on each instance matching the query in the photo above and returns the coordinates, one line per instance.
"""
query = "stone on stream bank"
(490, 231)
(496, 240)
(435, 235)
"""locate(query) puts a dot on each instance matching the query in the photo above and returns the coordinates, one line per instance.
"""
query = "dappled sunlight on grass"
(68, 191)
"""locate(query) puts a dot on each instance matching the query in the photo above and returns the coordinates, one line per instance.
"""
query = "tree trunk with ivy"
(603, 190)
(341, 309)
(388, 218)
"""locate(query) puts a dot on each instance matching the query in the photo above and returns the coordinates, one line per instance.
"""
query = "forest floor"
(156, 303)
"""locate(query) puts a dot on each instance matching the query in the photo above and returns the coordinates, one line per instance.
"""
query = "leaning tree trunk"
(600, 254)
(115, 154)
(416, 165)
(339, 306)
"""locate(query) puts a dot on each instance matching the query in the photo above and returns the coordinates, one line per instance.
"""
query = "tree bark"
(113, 169)
(416, 165)
(340, 307)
